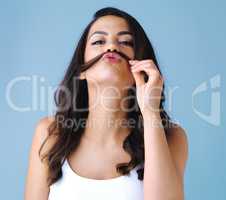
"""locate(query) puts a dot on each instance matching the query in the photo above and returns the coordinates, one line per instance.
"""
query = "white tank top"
(72, 186)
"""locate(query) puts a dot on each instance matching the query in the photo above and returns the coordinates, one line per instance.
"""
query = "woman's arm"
(36, 187)
(165, 156)
(165, 160)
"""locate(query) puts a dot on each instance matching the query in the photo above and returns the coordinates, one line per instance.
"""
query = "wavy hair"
(68, 137)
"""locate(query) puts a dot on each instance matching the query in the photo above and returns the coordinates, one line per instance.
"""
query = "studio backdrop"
(38, 39)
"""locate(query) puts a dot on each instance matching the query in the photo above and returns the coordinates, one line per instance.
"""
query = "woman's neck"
(107, 119)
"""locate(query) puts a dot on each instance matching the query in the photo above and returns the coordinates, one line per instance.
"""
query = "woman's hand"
(148, 93)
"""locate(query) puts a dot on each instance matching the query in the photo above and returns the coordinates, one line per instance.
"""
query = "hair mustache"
(88, 64)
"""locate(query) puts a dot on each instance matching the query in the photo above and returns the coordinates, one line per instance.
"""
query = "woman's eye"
(128, 43)
(98, 42)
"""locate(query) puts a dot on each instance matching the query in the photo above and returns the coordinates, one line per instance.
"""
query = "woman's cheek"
(91, 53)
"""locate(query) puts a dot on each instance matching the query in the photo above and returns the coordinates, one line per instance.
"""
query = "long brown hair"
(68, 137)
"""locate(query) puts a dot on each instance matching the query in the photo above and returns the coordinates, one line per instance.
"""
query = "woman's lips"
(112, 57)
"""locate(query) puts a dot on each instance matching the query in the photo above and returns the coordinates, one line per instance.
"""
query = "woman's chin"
(109, 79)
(111, 74)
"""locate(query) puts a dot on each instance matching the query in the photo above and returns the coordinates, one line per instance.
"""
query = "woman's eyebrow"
(98, 32)
(124, 33)
(105, 33)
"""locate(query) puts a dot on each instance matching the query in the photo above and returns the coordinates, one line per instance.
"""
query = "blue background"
(39, 37)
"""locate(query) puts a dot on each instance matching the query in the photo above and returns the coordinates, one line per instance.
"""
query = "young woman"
(110, 137)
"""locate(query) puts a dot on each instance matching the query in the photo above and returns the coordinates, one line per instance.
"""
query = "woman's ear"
(82, 75)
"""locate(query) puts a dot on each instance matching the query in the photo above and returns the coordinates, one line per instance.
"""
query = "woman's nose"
(112, 46)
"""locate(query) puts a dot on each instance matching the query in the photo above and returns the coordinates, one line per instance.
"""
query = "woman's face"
(109, 33)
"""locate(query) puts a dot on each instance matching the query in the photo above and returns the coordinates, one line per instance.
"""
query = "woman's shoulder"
(174, 129)
(177, 135)
(42, 132)
(177, 140)
(37, 174)
(44, 122)
(41, 129)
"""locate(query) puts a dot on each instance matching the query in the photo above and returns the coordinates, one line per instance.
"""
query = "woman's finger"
(139, 78)
(133, 62)
(145, 67)
(150, 62)
(152, 73)
(138, 62)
